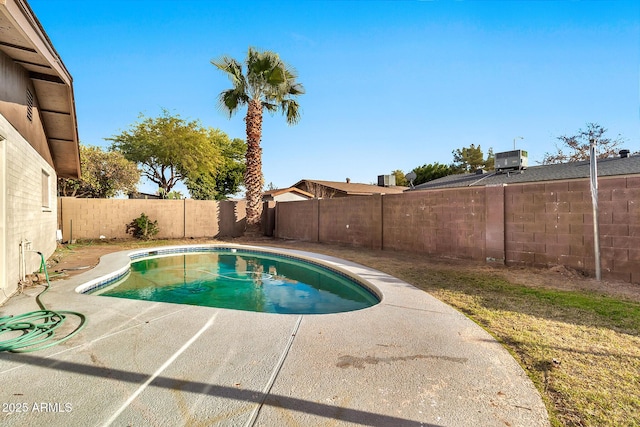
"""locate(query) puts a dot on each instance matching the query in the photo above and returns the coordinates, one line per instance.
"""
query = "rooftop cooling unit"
(511, 160)
(386, 180)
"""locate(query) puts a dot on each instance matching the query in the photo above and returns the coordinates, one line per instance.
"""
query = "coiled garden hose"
(36, 329)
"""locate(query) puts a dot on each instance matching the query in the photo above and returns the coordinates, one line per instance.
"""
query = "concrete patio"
(408, 361)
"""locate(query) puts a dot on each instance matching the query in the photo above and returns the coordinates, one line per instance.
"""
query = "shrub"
(143, 228)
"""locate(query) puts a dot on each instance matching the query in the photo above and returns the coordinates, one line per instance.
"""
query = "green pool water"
(242, 281)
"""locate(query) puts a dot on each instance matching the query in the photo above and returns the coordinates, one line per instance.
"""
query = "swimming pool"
(237, 278)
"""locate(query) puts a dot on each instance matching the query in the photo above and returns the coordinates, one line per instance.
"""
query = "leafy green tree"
(468, 159)
(267, 83)
(426, 173)
(579, 145)
(227, 178)
(401, 181)
(490, 161)
(168, 149)
(104, 174)
(172, 195)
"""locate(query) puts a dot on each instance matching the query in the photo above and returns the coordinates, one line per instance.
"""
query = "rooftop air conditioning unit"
(386, 180)
(511, 160)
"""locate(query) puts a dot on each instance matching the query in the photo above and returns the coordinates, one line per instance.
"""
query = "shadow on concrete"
(314, 408)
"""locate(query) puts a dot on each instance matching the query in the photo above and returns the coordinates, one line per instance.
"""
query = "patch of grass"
(500, 294)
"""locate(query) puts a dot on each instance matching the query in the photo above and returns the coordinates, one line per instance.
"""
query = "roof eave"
(51, 81)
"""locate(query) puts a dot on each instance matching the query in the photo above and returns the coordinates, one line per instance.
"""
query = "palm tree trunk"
(253, 179)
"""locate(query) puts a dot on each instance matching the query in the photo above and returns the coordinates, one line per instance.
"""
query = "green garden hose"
(36, 329)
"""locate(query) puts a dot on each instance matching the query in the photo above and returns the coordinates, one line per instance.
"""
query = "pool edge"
(123, 260)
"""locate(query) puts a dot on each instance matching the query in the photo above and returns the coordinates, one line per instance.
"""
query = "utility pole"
(593, 172)
(514, 141)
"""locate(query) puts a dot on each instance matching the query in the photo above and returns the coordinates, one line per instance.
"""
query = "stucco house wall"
(289, 197)
(290, 194)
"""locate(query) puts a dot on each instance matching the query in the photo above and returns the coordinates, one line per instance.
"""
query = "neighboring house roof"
(23, 39)
(280, 191)
(139, 195)
(574, 170)
(348, 188)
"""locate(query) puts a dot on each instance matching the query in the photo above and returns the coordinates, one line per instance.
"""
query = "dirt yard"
(76, 259)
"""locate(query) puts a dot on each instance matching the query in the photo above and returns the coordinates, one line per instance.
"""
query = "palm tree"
(266, 84)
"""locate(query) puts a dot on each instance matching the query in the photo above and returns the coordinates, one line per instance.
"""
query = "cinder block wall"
(297, 220)
(537, 224)
(447, 222)
(620, 238)
(199, 223)
(92, 218)
(268, 218)
(549, 223)
(354, 221)
(552, 223)
(29, 220)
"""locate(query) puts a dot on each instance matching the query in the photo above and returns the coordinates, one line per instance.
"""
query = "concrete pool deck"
(409, 361)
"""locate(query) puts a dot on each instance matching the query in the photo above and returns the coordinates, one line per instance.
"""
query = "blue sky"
(389, 84)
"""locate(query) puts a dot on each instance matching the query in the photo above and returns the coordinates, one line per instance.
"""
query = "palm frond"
(270, 106)
(233, 69)
(276, 76)
(230, 99)
(296, 89)
(291, 109)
